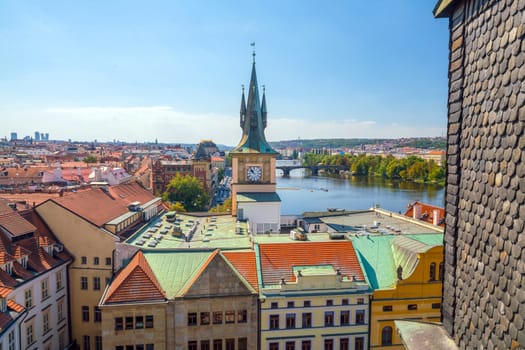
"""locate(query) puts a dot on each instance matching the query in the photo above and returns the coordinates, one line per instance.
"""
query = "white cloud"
(167, 124)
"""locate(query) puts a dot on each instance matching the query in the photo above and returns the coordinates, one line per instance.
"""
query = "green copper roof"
(442, 8)
(257, 197)
(253, 122)
(378, 254)
(174, 269)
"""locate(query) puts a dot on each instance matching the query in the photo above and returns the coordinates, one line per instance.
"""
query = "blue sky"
(172, 70)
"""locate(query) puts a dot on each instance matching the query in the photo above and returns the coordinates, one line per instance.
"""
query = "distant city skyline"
(136, 71)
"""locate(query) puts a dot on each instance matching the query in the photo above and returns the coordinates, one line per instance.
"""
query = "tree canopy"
(188, 191)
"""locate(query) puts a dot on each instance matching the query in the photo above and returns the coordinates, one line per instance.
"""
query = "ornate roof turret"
(243, 108)
(254, 121)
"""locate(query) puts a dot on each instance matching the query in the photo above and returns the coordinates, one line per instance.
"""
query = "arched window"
(441, 271)
(432, 271)
(386, 336)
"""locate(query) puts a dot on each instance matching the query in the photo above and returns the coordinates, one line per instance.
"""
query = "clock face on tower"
(254, 173)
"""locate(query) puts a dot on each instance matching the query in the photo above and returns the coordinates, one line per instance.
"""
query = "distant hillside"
(420, 142)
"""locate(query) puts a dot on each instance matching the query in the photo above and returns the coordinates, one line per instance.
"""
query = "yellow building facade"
(406, 274)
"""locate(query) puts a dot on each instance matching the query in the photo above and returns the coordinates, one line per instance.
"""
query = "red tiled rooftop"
(13, 305)
(245, 263)
(12, 222)
(427, 213)
(135, 282)
(278, 259)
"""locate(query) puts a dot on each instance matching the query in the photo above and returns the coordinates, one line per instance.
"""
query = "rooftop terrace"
(191, 231)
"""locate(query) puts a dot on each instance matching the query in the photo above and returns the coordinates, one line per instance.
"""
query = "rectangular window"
(344, 302)
(412, 306)
(306, 345)
(291, 304)
(28, 294)
(108, 261)
(60, 310)
(328, 318)
(328, 344)
(329, 302)
(59, 282)
(344, 344)
(85, 313)
(274, 305)
(360, 300)
(242, 344)
(217, 317)
(274, 321)
(96, 260)
(45, 289)
(83, 283)
(119, 323)
(139, 322)
(436, 305)
(387, 308)
(289, 345)
(307, 303)
(217, 344)
(192, 345)
(205, 345)
(86, 342)
(229, 317)
(150, 346)
(192, 318)
(129, 322)
(11, 340)
(242, 316)
(45, 322)
(96, 283)
(345, 318)
(307, 320)
(359, 343)
(230, 344)
(97, 314)
(273, 346)
(98, 343)
(360, 317)
(129, 347)
(29, 334)
(290, 321)
(205, 318)
(149, 321)
(83, 260)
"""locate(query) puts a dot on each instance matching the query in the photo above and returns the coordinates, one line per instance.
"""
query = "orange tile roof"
(427, 213)
(13, 305)
(245, 263)
(99, 207)
(5, 291)
(278, 259)
(135, 282)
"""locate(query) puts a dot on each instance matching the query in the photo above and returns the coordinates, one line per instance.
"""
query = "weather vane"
(253, 54)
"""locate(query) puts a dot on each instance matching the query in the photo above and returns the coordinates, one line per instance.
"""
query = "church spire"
(254, 121)
(243, 108)
(264, 113)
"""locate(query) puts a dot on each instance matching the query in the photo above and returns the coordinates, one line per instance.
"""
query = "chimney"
(416, 214)
(436, 217)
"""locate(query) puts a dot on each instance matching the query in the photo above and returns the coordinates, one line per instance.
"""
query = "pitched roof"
(244, 262)
(100, 206)
(135, 282)
(377, 255)
(427, 212)
(173, 269)
(12, 222)
(278, 259)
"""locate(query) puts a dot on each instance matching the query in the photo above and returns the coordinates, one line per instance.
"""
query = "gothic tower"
(254, 196)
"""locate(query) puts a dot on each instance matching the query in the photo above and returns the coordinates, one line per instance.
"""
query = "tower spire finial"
(253, 54)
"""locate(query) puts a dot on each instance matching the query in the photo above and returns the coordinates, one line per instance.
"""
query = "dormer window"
(3, 304)
(23, 262)
(8, 268)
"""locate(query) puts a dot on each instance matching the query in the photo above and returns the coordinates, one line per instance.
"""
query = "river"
(300, 193)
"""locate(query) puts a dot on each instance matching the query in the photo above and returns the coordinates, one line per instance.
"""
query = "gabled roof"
(427, 212)
(12, 222)
(244, 262)
(278, 259)
(100, 206)
(135, 282)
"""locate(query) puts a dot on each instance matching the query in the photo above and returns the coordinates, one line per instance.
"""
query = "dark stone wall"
(484, 286)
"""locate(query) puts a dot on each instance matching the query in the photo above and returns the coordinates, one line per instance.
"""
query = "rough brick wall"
(484, 287)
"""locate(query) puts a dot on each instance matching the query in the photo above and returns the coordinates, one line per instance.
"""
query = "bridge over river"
(287, 166)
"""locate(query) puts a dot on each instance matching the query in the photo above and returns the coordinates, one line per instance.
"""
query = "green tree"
(90, 159)
(295, 154)
(177, 206)
(223, 208)
(188, 191)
